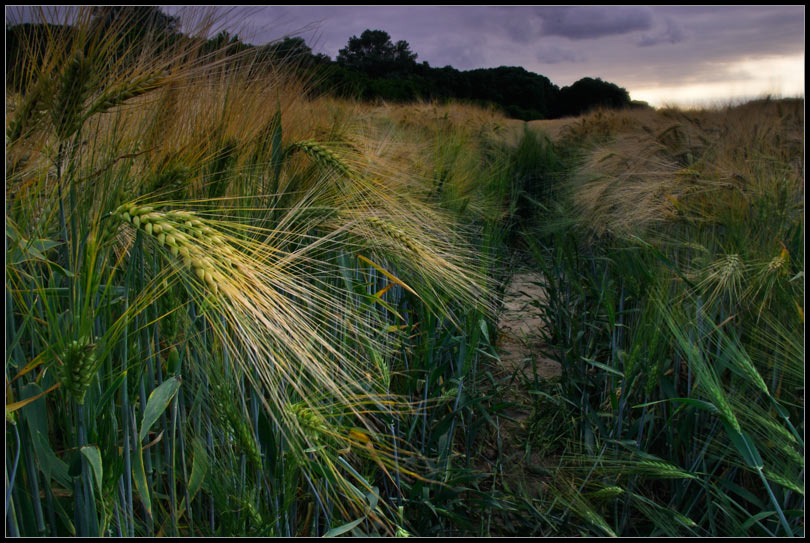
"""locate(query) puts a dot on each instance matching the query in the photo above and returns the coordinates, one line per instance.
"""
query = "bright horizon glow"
(779, 77)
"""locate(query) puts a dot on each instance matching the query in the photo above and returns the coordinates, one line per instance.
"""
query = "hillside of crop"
(235, 307)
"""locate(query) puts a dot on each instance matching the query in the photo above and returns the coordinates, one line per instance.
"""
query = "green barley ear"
(223, 398)
(72, 91)
(78, 367)
(221, 165)
(311, 422)
(171, 180)
(184, 236)
(606, 493)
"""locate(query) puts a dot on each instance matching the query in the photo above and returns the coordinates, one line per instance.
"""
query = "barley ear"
(78, 368)
(71, 94)
(323, 156)
(118, 94)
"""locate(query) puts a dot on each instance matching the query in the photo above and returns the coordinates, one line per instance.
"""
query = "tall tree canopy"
(375, 54)
(588, 93)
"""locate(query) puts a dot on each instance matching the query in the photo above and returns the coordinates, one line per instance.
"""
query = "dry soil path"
(520, 326)
(520, 346)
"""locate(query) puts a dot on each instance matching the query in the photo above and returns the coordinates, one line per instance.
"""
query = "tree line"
(371, 67)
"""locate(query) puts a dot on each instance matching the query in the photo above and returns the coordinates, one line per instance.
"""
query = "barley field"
(235, 308)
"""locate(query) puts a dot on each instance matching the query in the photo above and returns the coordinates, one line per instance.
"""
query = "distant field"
(551, 127)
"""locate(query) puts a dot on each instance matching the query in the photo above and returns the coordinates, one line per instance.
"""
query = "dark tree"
(229, 45)
(375, 54)
(137, 20)
(293, 49)
(25, 49)
(139, 30)
(588, 93)
(523, 94)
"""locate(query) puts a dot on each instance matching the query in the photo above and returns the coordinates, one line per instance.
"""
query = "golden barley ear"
(323, 155)
(117, 94)
(28, 113)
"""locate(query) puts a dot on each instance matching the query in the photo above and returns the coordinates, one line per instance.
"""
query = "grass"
(223, 309)
(244, 311)
(655, 263)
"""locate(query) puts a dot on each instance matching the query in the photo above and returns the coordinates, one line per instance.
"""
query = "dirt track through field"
(520, 323)
(520, 468)
(520, 326)
(551, 127)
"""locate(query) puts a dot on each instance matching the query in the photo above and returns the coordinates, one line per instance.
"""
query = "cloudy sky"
(678, 55)
(685, 55)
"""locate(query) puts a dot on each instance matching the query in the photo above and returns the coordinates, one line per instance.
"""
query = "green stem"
(782, 519)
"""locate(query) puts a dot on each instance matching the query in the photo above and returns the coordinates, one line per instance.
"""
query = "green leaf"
(373, 498)
(140, 479)
(604, 367)
(755, 519)
(482, 323)
(93, 456)
(108, 394)
(156, 404)
(22, 250)
(359, 478)
(745, 447)
(199, 469)
(35, 412)
(340, 530)
(700, 404)
(50, 464)
(173, 361)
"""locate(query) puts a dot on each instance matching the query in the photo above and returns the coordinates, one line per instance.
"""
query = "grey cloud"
(555, 55)
(580, 22)
(627, 45)
(672, 34)
(462, 54)
(520, 24)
